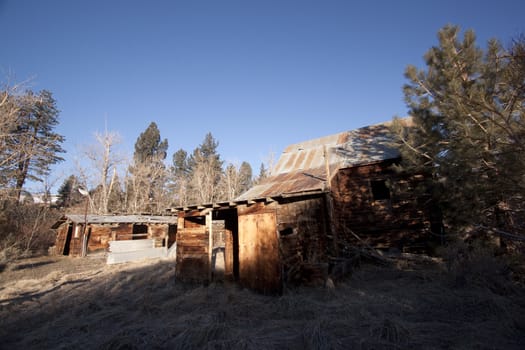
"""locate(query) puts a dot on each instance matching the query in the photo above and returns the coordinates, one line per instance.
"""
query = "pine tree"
(146, 189)
(180, 176)
(33, 145)
(263, 174)
(68, 195)
(468, 132)
(246, 177)
(236, 180)
(149, 147)
(206, 171)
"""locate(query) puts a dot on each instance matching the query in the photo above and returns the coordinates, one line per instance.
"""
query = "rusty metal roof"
(118, 219)
(302, 167)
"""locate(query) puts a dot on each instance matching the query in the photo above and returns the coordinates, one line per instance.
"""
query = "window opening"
(140, 231)
(380, 190)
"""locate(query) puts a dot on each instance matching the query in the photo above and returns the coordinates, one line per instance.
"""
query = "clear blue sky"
(258, 75)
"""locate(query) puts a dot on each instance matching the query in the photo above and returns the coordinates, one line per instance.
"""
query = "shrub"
(25, 229)
(476, 263)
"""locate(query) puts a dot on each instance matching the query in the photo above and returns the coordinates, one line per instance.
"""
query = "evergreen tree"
(206, 171)
(146, 189)
(263, 174)
(236, 180)
(180, 175)
(246, 177)
(33, 145)
(468, 129)
(180, 163)
(149, 147)
(68, 195)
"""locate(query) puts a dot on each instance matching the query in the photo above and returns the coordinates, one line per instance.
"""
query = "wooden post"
(210, 243)
(329, 203)
(83, 251)
(327, 168)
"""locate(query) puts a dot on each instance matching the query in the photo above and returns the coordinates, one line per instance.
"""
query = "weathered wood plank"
(259, 265)
(183, 249)
(190, 230)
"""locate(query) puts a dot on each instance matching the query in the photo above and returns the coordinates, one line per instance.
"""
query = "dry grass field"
(74, 303)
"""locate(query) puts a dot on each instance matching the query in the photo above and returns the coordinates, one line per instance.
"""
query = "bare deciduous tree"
(236, 180)
(205, 178)
(11, 101)
(145, 191)
(101, 176)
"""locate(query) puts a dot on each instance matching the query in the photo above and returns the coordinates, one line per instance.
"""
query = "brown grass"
(64, 303)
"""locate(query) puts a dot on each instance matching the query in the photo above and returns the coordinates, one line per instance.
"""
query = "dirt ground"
(75, 303)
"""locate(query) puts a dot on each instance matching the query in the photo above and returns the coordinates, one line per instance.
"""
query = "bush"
(476, 263)
(25, 229)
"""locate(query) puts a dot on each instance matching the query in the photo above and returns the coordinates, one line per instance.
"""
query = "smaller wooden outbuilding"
(101, 229)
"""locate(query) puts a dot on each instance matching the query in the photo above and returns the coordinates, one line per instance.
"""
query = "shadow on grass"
(26, 296)
(32, 265)
(137, 307)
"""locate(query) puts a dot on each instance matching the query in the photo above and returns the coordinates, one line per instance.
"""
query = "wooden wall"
(271, 243)
(60, 242)
(99, 237)
(277, 240)
(193, 259)
(101, 234)
(302, 227)
(67, 242)
(380, 206)
(266, 244)
(197, 260)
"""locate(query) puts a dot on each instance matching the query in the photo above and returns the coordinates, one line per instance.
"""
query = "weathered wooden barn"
(323, 197)
(101, 229)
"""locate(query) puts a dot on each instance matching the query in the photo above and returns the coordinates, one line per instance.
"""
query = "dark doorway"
(230, 237)
(67, 243)
(172, 234)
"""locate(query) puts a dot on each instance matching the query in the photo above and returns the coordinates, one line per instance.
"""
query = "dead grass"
(83, 303)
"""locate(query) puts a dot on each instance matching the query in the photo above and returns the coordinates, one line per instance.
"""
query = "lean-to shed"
(101, 229)
(324, 196)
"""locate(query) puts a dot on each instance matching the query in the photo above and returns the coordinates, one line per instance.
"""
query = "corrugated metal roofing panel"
(307, 154)
(288, 183)
(302, 166)
(114, 219)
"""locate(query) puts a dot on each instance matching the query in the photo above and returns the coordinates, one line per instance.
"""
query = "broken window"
(380, 190)
(140, 231)
(286, 231)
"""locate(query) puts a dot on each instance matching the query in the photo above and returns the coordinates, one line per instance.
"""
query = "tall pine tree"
(68, 194)
(180, 177)
(149, 147)
(469, 129)
(32, 145)
(146, 189)
(206, 171)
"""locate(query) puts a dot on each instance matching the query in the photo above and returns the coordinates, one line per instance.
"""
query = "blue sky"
(258, 75)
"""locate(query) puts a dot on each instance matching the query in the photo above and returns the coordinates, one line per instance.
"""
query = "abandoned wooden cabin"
(323, 197)
(101, 229)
